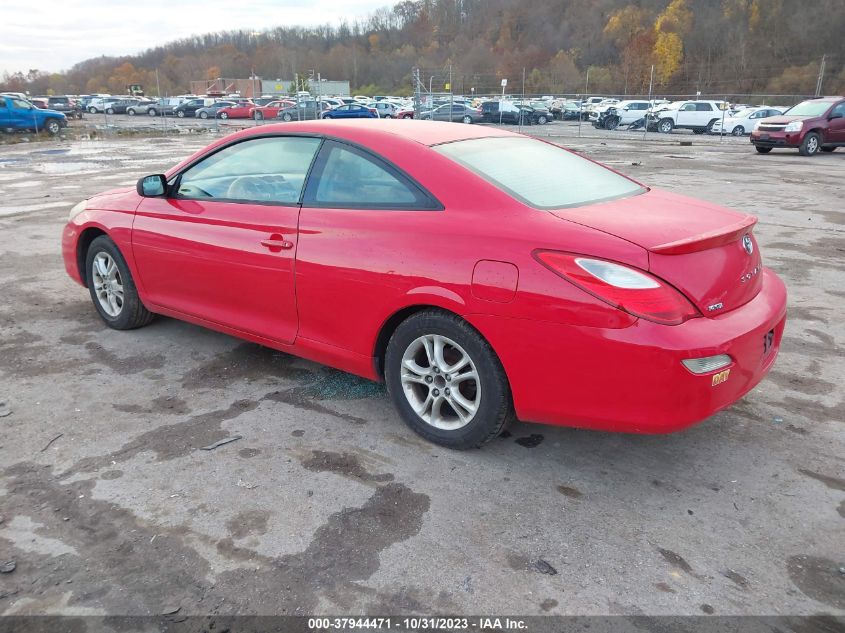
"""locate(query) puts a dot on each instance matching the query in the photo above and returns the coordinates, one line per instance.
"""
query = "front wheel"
(467, 119)
(762, 150)
(130, 112)
(111, 286)
(810, 145)
(52, 126)
(446, 381)
(151, 112)
(180, 114)
(611, 123)
(92, 110)
(287, 117)
(110, 111)
(738, 131)
(224, 115)
(665, 126)
(258, 116)
(203, 115)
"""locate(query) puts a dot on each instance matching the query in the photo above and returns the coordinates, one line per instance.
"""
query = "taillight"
(629, 289)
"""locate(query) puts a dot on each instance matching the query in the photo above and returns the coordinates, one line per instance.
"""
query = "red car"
(241, 110)
(270, 110)
(434, 257)
(810, 127)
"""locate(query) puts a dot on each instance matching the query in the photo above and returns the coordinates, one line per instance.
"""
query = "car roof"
(370, 131)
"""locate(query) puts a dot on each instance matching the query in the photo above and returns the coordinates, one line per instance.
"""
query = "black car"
(120, 107)
(65, 105)
(189, 108)
(305, 111)
(492, 112)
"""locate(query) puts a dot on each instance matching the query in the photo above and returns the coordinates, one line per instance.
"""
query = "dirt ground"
(329, 504)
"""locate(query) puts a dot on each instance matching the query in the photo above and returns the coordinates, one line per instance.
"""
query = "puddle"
(77, 167)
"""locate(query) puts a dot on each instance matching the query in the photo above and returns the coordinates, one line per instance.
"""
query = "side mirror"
(152, 186)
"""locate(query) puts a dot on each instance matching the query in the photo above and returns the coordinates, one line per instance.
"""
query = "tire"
(130, 112)
(828, 148)
(542, 120)
(489, 394)
(52, 126)
(664, 126)
(810, 145)
(110, 111)
(467, 119)
(224, 115)
(611, 123)
(180, 114)
(762, 150)
(258, 116)
(152, 112)
(738, 131)
(92, 110)
(287, 117)
(203, 115)
(127, 313)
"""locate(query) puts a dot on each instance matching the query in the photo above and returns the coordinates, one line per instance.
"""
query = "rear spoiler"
(719, 237)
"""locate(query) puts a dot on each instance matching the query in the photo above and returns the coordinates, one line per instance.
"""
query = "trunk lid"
(700, 248)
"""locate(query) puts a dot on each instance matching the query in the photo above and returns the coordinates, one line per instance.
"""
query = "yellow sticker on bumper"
(721, 377)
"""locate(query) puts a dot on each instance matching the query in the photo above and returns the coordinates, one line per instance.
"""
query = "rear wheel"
(130, 112)
(224, 115)
(112, 289)
(203, 115)
(665, 126)
(738, 131)
(287, 117)
(258, 116)
(467, 119)
(446, 381)
(810, 145)
(152, 112)
(109, 110)
(762, 150)
(180, 114)
(542, 120)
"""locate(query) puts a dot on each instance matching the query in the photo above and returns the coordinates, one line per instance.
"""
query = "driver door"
(221, 245)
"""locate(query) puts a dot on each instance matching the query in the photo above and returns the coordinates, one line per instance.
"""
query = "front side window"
(346, 177)
(688, 107)
(271, 170)
(23, 105)
(566, 180)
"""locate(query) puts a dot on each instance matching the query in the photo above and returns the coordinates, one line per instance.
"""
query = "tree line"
(559, 46)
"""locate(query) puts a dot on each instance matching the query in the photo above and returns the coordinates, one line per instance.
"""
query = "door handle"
(277, 243)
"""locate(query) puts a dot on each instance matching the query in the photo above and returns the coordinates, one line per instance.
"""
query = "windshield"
(745, 113)
(809, 108)
(566, 179)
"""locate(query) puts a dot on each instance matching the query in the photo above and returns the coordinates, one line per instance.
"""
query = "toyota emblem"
(747, 244)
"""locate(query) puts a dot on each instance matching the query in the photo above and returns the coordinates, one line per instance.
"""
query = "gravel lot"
(329, 504)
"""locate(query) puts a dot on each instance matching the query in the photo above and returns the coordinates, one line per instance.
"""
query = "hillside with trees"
(711, 46)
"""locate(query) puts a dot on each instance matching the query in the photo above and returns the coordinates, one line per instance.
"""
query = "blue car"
(20, 114)
(350, 111)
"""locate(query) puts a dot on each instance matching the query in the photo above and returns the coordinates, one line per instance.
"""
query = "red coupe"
(241, 110)
(437, 258)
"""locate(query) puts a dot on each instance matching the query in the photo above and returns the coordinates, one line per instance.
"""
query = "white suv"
(697, 116)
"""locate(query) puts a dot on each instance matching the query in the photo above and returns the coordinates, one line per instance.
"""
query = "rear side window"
(565, 180)
(346, 177)
(703, 107)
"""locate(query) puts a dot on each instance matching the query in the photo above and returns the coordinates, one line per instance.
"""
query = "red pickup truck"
(811, 126)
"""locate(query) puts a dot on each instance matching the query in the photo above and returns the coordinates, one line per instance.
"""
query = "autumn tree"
(670, 27)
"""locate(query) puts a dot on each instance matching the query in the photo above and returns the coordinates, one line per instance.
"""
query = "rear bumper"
(632, 379)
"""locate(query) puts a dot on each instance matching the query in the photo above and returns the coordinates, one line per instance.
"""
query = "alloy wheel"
(440, 382)
(108, 284)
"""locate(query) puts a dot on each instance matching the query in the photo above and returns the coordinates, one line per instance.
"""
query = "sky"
(53, 35)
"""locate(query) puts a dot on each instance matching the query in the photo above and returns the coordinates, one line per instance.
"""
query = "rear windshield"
(541, 175)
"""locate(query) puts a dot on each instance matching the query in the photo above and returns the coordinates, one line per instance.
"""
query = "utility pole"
(650, 85)
(820, 80)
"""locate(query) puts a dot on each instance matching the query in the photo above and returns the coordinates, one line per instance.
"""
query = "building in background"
(326, 87)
